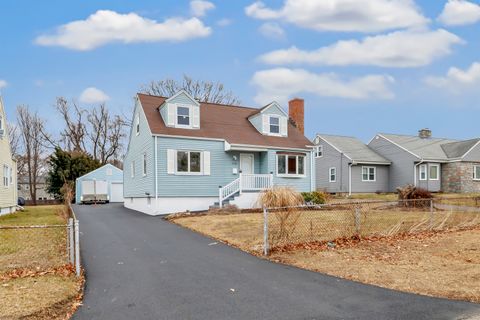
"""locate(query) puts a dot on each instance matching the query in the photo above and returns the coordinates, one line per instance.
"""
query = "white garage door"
(116, 194)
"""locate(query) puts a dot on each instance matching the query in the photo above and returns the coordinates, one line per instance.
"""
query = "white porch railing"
(245, 182)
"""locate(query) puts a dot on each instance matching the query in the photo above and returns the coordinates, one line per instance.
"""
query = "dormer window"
(183, 116)
(274, 125)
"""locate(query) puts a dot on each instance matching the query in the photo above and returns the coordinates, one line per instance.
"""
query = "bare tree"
(74, 133)
(31, 128)
(16, 146)
(204, 91)
(106, 134)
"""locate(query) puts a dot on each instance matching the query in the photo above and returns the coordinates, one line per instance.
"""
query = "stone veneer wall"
(458, 177)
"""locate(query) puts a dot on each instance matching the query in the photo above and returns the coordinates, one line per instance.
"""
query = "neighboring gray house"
(347, 165)
(24, 188)
(185, 155)
(435, 164)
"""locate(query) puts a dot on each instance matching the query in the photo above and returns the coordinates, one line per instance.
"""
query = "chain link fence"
(309, 224)
(40, 247)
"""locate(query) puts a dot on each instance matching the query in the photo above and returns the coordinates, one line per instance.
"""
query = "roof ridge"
(415, 136)
(337, 135)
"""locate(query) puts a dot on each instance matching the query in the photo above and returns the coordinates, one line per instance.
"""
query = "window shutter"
(170, 161)
(171, 114)
(283, 126)
(206, 163)
(196, 117)
(266, 124)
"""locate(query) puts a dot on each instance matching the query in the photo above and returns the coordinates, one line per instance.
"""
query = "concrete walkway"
(142, 267)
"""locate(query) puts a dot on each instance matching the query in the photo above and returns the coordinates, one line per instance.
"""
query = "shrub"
(280, 197)
(314, 197)
(418, 197)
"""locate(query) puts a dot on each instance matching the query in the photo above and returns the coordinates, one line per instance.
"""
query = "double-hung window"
(6, 178)
(137, 124)
(434, 172)
(423, 172)
(189, 162)
(476, 172)
(274, 125)
(183, 116)
(332, 174)
(290, 165)
(369, 173)
(319, 151)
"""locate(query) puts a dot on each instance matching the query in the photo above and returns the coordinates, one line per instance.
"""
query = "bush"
(280, 197)
(412, 193)
(315, 197)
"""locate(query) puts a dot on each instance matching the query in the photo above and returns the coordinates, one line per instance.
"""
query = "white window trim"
(190, 116)
(144, 165)
(368, 174)
(291, 175)
(132, 169)
(475, 172)
(422, 166)
(438, 172)
(330, 174)
(317, 151)
(270, 116)
(137, 124)
(188, 173)
(6, 177)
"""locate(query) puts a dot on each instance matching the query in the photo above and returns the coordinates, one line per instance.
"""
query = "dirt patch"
(441, 264)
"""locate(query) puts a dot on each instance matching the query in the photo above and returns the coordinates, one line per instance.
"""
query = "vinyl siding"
(380, 184)
(101, 175)
(301, 184)
(401, 169)
(331, 159)
(8, 195)
(257, 120)
(180, 99)
(140, 185)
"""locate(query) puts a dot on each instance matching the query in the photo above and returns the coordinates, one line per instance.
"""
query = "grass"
(30, 289)
(446, 265)
(45, 297)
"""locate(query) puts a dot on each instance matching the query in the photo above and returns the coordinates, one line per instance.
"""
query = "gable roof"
(459, 149)
(439, 149)
(354, 149)
(109, 165)
(268, 106)
(222, 122)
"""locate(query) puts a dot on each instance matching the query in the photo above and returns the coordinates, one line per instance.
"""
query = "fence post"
(265, 231)
(70, 241)
(77, 249)
(357, 220)
(431, 213)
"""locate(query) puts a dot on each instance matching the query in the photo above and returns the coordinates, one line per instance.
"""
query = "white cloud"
(224, 22)
(460, 12)
(457, 79)
(282, 83)
(3, 83)
(199, 8)
(93, 95)
(397, 49)
(105, 26)
(272, 30)
(343, 15)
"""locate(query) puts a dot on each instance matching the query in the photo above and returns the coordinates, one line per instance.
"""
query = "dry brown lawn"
(29, 289)
(445, 264)
(45, 297)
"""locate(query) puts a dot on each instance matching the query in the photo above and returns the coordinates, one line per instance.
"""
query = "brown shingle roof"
(221, 122)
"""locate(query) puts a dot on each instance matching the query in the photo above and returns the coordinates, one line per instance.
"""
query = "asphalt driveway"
(142, 267)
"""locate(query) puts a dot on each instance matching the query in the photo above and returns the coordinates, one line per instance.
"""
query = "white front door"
(246, 163)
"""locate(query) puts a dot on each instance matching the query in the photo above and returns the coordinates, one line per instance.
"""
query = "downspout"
(341, 172)
(156, 175)
(415, 172)
(312, 171)
(350, 179)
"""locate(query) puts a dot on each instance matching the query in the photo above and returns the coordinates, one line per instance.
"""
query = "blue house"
(185, 155)
(104, 180)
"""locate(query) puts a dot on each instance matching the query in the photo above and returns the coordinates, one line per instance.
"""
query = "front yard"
(442, 260)
(36, 281)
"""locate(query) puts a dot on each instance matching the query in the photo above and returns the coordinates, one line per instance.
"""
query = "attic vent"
(425, 133)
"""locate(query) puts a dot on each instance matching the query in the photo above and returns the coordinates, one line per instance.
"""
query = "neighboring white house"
(8, 168)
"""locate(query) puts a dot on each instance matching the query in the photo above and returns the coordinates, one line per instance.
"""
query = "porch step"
(225, 202)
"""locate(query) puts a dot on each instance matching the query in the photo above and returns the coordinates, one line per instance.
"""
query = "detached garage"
(104, 184)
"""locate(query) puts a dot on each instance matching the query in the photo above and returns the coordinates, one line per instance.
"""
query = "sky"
(392, 66)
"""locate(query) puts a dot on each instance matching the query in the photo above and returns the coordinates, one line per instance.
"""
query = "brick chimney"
(425, 133)
(296, 112)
